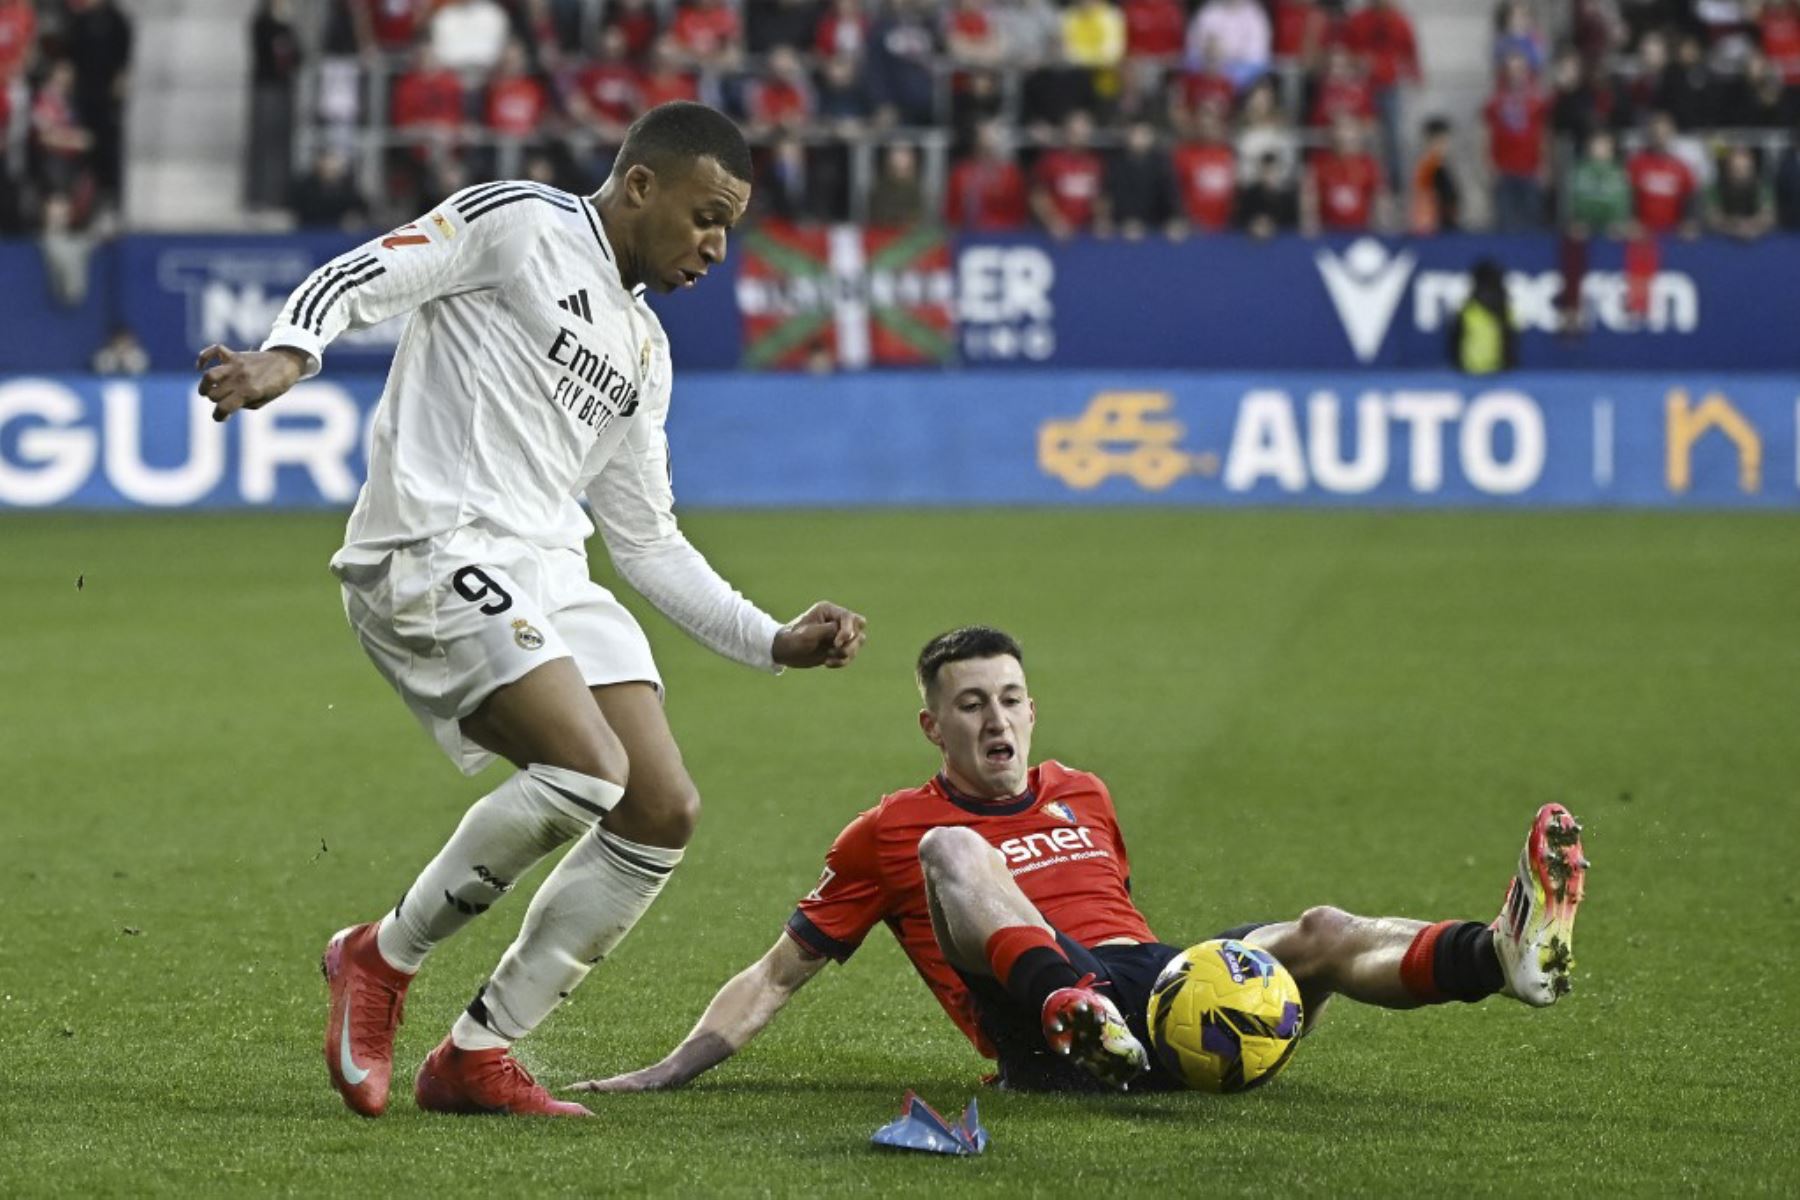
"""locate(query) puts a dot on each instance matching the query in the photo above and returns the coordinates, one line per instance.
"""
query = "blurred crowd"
(64, 72)
(1134, 118)
(1119, 117)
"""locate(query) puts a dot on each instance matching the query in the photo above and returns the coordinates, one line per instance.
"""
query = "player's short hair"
(971, 641)
(680, 132)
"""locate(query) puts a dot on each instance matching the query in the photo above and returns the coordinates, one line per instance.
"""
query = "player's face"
(980, 715)
(686, 216)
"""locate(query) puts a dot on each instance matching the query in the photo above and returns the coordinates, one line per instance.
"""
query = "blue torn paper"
(920, 1127)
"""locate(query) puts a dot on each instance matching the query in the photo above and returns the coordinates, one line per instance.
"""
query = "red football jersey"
(1061, 842)
(396, 23)
(1662, 187)
(427, 98)
(1516, 120)
(611, 90)
(1347, 184)
(1072, 177)
(1383, 39)
(1154, 28)
(1351, 97)
(515, 105)
(986, 196)
(1206, 176)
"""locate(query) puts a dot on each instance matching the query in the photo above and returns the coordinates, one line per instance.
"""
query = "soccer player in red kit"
(1009, 889)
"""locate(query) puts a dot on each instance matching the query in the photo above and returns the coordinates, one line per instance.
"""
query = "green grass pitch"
(202, 778)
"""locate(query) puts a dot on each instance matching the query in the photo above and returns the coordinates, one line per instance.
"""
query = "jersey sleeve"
(475, 240)
(1118, 834)
(633, 499)
(835, 916)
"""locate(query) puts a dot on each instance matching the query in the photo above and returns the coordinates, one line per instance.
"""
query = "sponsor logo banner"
(1174, 438)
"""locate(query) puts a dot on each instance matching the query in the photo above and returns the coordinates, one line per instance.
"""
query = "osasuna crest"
(1057, 808)
(526, 634)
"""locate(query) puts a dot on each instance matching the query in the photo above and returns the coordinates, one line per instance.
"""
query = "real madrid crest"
(644, 359)
(526, 634)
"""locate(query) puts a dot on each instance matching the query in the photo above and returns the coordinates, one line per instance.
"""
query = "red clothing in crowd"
(1154, 28)
(1296, 27)
(1780, 25)
(969, 23)
(397, 23)
(840, 35)
(1073, 180)
(611, 90)
(1383, 40)
(779, 102)
(1060, 841)
(705, 31)
(18, 21)
(1516, 120)
(1346, 185)
(428, 99)
(986, 196)
(640, 30)
(660, 87)
(1662, 188)
(515, 105)
(1206, 180)
(1202, 88)
(1352, 97)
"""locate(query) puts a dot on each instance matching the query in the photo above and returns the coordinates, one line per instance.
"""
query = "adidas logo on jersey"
(577, 304)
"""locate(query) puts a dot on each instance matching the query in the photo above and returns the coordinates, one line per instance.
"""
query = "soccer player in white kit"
(530, 372)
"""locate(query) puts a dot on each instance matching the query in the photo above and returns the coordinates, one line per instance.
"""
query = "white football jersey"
(527, 375)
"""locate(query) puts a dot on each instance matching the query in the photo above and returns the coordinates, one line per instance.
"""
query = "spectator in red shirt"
(842, 30)
(1779, 24)
(1343, 91)
(1299, 31)
(1207, 87)
(428, 98)
(666, 80)
(782, 99)
(607, 95)
(516, 100)
(388, 26)
(18, 25)
(1154, 29)
(1662, 185)
(987, 189)
(1517, 118)
(970, 34)
(1382, 37)
(1206, 174)
(1067, 179)
(636, 19)
(708, 32)
(1344, 181)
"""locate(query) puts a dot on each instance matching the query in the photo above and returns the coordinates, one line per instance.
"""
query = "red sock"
(1029, 964)
(1418, 968)
(1451, 960)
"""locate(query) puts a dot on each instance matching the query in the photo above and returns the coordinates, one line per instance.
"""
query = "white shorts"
(449, 620)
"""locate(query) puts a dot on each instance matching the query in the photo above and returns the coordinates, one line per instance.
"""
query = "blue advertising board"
(1221, 302)
(1066, 438)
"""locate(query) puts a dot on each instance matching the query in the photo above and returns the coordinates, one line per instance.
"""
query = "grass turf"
(202, 778)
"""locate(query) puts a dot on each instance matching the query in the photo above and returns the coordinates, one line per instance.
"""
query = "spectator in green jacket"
(1597, 195)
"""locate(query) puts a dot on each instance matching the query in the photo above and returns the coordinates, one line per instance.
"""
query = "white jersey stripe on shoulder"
(341, 289)
(309, 300)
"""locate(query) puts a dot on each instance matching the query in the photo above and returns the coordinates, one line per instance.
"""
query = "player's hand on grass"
(827, 635)
(246, 378)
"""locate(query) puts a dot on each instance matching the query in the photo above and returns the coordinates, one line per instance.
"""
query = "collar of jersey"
(986, 808)
(599, 226)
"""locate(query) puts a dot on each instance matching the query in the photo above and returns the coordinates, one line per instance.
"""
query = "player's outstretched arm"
(738, 1013)
(234, 379)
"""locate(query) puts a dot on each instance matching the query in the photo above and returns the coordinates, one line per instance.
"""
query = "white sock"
(500, 838)
(585, 908)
